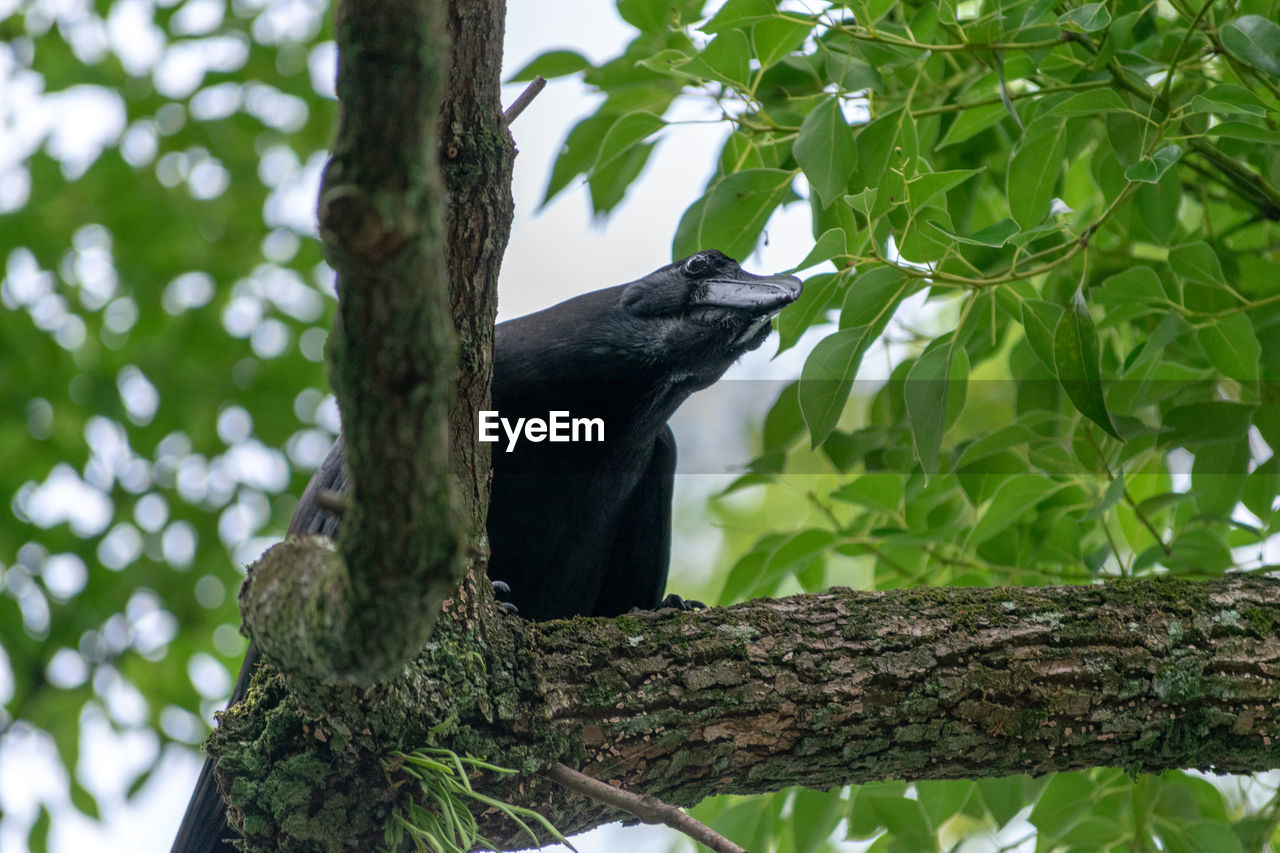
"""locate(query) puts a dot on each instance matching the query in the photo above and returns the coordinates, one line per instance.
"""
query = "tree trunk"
(408, 141)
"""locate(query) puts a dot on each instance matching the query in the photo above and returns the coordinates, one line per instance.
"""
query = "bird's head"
(705, 311)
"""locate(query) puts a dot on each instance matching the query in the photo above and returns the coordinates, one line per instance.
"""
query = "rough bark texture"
(408, 140)
(477, 156)
(393, 363)
(819, 690)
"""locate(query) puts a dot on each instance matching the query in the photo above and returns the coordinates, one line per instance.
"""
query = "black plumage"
(582, 528)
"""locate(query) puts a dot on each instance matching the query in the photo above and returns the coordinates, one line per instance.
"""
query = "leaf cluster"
(1058, 222)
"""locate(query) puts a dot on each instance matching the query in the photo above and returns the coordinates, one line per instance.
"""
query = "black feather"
(580, 528)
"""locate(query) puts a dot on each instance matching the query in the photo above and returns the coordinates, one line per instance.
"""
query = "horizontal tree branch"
(816, 690)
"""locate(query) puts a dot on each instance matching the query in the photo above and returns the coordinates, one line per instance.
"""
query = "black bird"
(580, 528)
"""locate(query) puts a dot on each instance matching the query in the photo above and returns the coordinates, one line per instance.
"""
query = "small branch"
(648, 809)
(526, 97)
(331, 502)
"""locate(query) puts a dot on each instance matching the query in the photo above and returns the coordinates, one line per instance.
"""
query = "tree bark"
(819, 690)
(409, 382)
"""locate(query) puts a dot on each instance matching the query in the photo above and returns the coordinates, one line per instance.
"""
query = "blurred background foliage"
(1063, 254)
(165, 312)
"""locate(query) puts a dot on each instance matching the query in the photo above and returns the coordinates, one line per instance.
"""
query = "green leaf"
(829, 245)
(818, 293)
(84, 802)
(941, 799)
(1092, 102)
(608, 183)
(578, 152)
(1198, 262)
(795, 551)
(848, 72)
(1095, 833)
(1199, 551)
(1004, 797)
(783, 421)
(1261, 487)
(38, 839)
(740, 13)
(726, 58)
(864, 201)
(1232, 347)
(1110, 497)
(829, 371)
(1148, 170)
(994, 235)
(1199, 836)
(814, 815)
(1033, 173)
(1016, 496)
(670, 62)
(874, 296)
(775, 38)
(925, 395)
(1226, 99)
(739, 153)
(1090, 17)
(647, 16)
(1136, 284)
(1218, 477)
(825, 151)
(1076, 356)
(1255, 40)
(875, 491)
(906, 821)
(922, 188)
(1039, 321)
(627, 131)
(973, 121)
(553, 63)
(875, 143)
(733, 212)
(1209, 422)
(1128, 135)
(1243, 130)
(827, 377)
(1067, 797)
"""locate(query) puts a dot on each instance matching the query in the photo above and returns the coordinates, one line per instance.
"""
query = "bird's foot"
(678, 603)
(500, 591)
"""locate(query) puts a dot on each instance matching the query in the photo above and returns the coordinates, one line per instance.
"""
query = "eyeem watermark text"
(558, 426)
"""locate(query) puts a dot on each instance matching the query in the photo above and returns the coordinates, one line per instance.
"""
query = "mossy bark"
(415, 209)
(818, 690)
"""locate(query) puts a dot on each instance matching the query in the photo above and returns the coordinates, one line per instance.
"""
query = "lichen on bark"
(818, 690)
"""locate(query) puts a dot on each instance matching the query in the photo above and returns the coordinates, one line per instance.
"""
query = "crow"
(577, 527)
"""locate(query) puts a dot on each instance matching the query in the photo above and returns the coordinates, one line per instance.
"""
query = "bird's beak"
(759, 295)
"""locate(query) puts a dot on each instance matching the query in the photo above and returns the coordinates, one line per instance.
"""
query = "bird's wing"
(637, 572)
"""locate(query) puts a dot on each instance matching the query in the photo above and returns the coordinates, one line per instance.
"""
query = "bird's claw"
(501, 588)
(676, 602)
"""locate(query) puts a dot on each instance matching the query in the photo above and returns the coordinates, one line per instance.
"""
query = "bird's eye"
(696, 265)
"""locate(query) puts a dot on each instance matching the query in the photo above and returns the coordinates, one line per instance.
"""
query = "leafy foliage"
(163, 328)
(433, 814)
(1079, 205)
(1059, 220)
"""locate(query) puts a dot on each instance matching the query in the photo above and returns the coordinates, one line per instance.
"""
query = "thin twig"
(648, 809)
(526, 97)
(331, 502)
